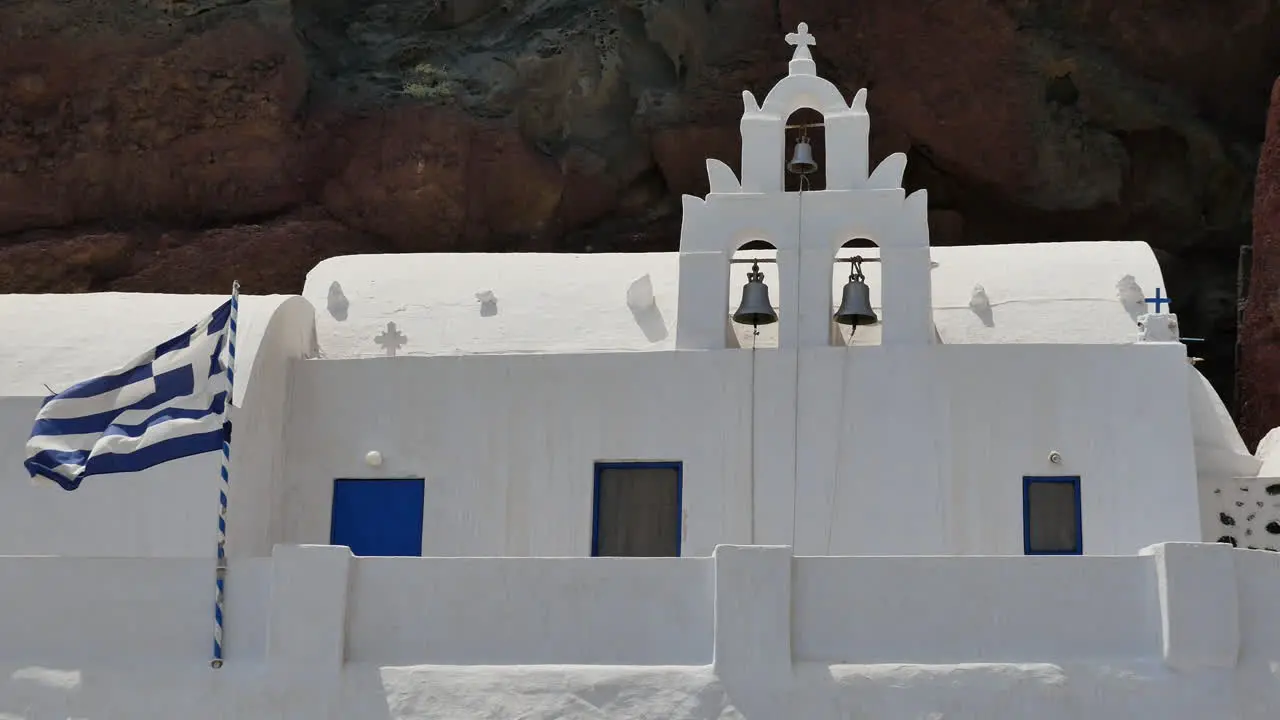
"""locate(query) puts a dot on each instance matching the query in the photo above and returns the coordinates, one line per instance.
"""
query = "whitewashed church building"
(807, 466)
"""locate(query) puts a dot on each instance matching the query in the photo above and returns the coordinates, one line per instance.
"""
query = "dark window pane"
(1052, 517)
(638, 512)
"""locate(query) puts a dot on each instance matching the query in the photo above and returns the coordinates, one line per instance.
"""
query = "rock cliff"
(175, 144)
(1260, 329)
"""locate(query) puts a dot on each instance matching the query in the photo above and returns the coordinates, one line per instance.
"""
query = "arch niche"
(860, 335)
(738, 335)
(807, 124)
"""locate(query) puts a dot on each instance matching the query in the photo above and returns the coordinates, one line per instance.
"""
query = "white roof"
(560, 303)
(59, 340)
(1268, 456)
(1220, 452)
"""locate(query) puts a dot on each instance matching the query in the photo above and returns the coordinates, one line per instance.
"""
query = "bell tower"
(807, 228)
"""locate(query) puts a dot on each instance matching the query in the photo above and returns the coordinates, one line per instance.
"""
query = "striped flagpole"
(221, 570)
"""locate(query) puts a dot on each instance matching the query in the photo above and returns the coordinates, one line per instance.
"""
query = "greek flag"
(166, 404)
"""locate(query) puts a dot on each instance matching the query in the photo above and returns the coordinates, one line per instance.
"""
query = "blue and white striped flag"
(167, 404)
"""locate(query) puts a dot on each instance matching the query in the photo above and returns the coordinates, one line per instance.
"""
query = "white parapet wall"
(1180, 631)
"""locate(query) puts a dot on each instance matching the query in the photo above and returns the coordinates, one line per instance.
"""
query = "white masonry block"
(753, 611)
(1199, 606)
(1158, 327)
(307, 621)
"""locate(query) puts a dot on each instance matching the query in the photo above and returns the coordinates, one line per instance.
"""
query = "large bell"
(802, 159)
(855, 306)
(755, 308)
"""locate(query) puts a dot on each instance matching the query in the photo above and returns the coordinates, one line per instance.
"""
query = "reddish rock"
(268, 258)
(1260, 329)
(514, 191)
(79, 263)
(974, 102)
(149, 121)
(740, 48)
(946, 227)
(431, 179)
(955, 106)
(589, 192)
(682, 153)
(405, 179)
(1180, 43)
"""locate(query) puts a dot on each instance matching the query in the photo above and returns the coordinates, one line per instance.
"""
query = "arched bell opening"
(856, 313)
(804, 151)
(754, 289)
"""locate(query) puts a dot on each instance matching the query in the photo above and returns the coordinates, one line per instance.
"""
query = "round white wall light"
(373, 458)
(1055, 457)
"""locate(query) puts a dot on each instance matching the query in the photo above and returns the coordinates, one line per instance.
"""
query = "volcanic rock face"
(173, 144)
(1260, 330)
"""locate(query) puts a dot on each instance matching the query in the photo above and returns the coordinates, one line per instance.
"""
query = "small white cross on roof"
(391, 339)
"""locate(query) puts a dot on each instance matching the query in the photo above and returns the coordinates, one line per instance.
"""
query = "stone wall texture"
(174, 144)
(1249, 514)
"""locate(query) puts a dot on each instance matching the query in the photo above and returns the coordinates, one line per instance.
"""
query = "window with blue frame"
(1051, 516)
(636, 509)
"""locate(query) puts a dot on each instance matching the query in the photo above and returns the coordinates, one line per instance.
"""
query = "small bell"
(855, 306)
(802, 158)
(755, 308)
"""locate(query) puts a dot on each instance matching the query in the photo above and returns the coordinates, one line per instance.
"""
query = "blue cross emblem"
(1159, 300)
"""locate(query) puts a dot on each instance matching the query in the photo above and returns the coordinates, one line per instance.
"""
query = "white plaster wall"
(887, 455)
(70, 613)
(1183, 631)
(507, 444)
(1257, 575)
(1119, 418)
(255, 512)
(895, 450)
(927, 451)
(502, 611)
(169, 510)
(938, 610)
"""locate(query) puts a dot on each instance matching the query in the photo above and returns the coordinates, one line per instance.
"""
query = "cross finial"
(801, 60)
(391, 339)
(801, 38)
(1159, 301)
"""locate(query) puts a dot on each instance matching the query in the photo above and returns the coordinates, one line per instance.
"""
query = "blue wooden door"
(378, 517)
